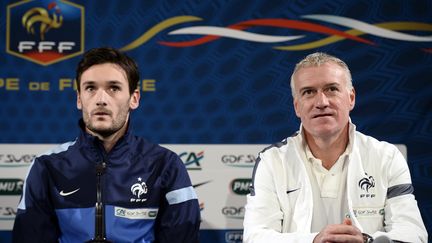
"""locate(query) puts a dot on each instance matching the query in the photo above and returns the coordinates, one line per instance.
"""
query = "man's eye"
(89, 88)
(307, 92)
(115, 88)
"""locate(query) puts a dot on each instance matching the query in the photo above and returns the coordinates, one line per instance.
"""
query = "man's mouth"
(101, 113)
(322, 115)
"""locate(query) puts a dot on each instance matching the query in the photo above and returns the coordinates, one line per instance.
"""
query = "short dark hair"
(103, 55)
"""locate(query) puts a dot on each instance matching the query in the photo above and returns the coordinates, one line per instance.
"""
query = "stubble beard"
(106, 131)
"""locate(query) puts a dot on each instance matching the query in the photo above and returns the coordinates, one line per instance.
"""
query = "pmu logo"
(241, 186)
(11, 186)
(45, 31)
(192, 160)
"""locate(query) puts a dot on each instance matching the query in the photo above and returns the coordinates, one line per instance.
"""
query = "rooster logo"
(41, 15)
(139, 188)
(367, 182)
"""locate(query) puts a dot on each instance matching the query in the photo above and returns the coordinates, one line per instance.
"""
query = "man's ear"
(352, 99)
(79, 103)
(134, 100)
(295, 102)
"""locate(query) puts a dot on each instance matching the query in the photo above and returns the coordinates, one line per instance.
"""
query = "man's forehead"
(104, 69)
(104, 73)
(323, 74)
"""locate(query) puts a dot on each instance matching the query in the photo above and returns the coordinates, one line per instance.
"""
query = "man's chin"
(321, 128)
(104, 131)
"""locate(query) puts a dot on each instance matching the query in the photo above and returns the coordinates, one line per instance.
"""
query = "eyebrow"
(110, 82)
(116, 82)
(325, 86)
(88, 82)
(305, 88)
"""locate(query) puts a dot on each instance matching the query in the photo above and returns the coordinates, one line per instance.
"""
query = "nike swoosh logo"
(200, 184)
(64, 194)
(289, 191)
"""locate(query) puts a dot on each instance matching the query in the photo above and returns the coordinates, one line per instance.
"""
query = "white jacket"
(387, 208)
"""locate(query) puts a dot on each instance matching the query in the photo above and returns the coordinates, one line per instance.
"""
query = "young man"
(107, 184)
(329, 182)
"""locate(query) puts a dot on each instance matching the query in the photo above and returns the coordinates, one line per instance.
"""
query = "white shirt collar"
(347, 152)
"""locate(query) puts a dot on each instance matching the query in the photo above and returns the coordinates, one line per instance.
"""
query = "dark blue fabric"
(44, 215)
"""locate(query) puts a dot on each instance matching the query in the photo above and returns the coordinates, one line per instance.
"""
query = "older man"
(329, 182)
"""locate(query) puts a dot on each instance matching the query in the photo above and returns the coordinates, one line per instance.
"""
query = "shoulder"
(147, 149)
(280, 154)
(372, 145)
(282, 147)
(144, 146)
(379, 154)
(51, 157)
(57, 150)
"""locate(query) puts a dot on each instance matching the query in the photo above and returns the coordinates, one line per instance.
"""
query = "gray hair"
(317, 59)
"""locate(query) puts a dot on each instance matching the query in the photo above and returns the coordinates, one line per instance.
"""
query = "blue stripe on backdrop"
(5, 236)
(206, 236)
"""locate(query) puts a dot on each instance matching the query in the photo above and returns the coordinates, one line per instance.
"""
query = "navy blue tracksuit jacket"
(146, 191)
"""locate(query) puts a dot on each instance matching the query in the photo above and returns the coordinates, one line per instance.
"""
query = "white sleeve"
(263, 220)
(402, 219)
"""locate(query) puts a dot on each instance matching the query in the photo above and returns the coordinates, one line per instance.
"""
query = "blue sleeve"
(35, 220)
(179, 216)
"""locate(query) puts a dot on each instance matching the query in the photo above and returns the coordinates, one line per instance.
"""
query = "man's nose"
(321, 100)
(101, 98)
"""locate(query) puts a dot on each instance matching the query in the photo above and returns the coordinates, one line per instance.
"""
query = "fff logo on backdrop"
(46, 31)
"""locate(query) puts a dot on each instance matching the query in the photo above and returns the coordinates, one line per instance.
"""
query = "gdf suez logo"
(240, 186)
(240, 160)
(192, 160)
(45, 31)
(233, 212)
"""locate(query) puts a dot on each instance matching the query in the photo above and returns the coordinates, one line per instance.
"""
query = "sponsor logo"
(368, 212)
(139, 189)
(234, 237)
(192, 160)
(45, 31)
(201, 204)
(136, 213)
(242, 160)
(366, 183)
(240, 186)
(64, 194)
(7, 212)
(233, 212)
(200, 184)
(11, 186)
(13, 160)
(293, 190)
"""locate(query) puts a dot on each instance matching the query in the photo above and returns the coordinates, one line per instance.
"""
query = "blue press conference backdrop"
(226, 82)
